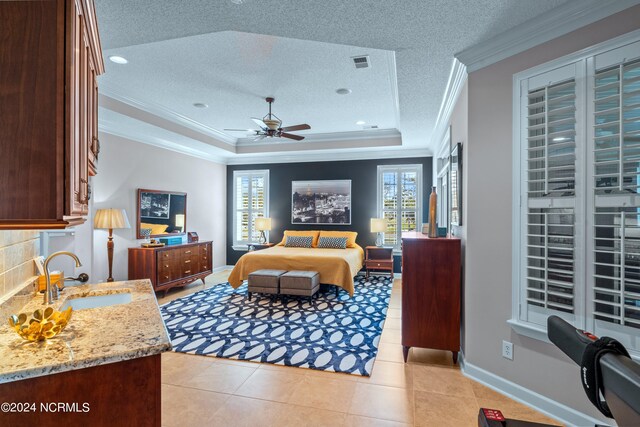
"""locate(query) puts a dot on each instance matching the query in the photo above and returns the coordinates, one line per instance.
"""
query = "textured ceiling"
(425, 34)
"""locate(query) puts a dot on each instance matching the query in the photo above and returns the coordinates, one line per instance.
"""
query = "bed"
(336, 266)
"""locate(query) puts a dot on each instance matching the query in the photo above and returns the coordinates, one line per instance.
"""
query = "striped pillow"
(298, 241)
(332, 242)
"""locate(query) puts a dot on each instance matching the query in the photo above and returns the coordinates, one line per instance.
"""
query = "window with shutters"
(250, 201)
(577, 176)
(399, 200)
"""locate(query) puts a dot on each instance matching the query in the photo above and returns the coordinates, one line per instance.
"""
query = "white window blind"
(399, 200)
(616, 232)
(577, 203)
(251, 200)
(550, 177)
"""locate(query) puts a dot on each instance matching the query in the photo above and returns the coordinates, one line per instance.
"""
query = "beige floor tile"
(394, 313)
(220, 377)
(392, 323)
(240, 411)
(236, 362)
(179, 368)
(391, 374)
(387, 403)
(322, 393)
(437, 379)
(428, 356)
(390, 353)
(512, 409)
(391, 336)
(484, 392)
(342, 376)
(297, 416)
(359, 421)
(435, 409)
(182, 406)
(270, 385)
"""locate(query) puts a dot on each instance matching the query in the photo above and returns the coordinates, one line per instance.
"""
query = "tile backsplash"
(17, 250)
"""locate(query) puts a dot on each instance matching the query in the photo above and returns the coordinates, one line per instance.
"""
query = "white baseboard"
(528, 397)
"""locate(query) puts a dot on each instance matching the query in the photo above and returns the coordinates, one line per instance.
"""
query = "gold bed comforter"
(336, 266)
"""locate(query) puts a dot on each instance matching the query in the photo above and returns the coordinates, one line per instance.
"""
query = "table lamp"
(109, 219)
(180, 222)
(262, 225)
(379, 225)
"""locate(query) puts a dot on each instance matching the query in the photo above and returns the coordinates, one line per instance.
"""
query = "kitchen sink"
(96, 301)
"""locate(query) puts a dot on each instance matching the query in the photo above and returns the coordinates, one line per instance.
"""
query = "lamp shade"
(180, 220)
(111, 218)
(263, 224)
(378, 225)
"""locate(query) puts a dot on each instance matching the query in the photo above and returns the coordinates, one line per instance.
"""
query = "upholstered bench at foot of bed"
(300, 283)
(264, 282)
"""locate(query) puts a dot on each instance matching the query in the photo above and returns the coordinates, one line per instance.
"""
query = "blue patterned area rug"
(330, 333)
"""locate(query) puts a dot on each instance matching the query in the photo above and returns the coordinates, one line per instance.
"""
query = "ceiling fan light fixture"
(343, 91)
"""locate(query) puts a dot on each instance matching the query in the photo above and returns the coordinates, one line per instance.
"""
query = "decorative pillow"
(332, 242)
(312, 233)
(155, 228)
(298, 241)
(350, 235)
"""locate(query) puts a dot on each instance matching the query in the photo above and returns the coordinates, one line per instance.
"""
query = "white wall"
(537, 366)
(125, 166)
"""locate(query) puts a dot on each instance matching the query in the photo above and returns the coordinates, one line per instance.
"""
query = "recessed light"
(118, 59)
(237, 1)
(343, 91)
(361, 122)
(200, 105)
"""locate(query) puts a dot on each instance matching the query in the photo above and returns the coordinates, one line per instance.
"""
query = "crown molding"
(551, 24)
(109, 91)
(329, 156)
(457, 79)
(161, 143)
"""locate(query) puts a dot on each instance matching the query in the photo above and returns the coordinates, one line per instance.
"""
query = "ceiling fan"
(271, 126)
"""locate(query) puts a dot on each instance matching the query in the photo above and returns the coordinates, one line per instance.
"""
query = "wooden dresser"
(171, 266)
(430, 293)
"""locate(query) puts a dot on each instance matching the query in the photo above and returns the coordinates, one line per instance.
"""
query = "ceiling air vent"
(361, 61)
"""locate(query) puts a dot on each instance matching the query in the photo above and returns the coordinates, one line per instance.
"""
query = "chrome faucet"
(49, 294)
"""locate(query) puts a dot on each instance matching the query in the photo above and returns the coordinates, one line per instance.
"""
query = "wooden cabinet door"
(75, 106)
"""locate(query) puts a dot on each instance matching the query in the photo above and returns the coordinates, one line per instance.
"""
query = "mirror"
(162, 212)
(455, 179)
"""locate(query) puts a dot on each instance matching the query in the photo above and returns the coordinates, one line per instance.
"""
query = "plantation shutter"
(615, 271)
(549, 235)
(251, 198)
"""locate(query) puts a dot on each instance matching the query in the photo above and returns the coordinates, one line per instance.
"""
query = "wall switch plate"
(507, 350)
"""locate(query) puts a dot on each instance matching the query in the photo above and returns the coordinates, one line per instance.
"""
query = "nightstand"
(379, 258)
(259, 246)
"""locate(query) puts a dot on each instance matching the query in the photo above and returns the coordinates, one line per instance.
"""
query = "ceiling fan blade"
(291, 136)
(259, 137)
(296, 127)
(260, 123)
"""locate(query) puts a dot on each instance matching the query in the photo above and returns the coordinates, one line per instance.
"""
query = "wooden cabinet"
(378, 258)
(431, 274)
(171, 266)
(51, 57)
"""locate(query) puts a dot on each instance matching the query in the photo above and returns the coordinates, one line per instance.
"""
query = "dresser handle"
(187, 272)
(187, 252)
(187, 261)
(166, 265)
(166, 277)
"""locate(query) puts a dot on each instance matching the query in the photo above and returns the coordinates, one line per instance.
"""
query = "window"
(577, 174)
(399, 200)
(250, 201)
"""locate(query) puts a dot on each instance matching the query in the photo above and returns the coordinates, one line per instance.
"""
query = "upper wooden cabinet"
(50, 57)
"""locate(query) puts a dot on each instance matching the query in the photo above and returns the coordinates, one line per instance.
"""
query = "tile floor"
(427, 391)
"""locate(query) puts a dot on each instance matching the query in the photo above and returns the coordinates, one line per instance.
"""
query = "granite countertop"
(93, 336)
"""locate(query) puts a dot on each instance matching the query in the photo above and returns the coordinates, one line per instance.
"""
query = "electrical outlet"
(507, 350)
